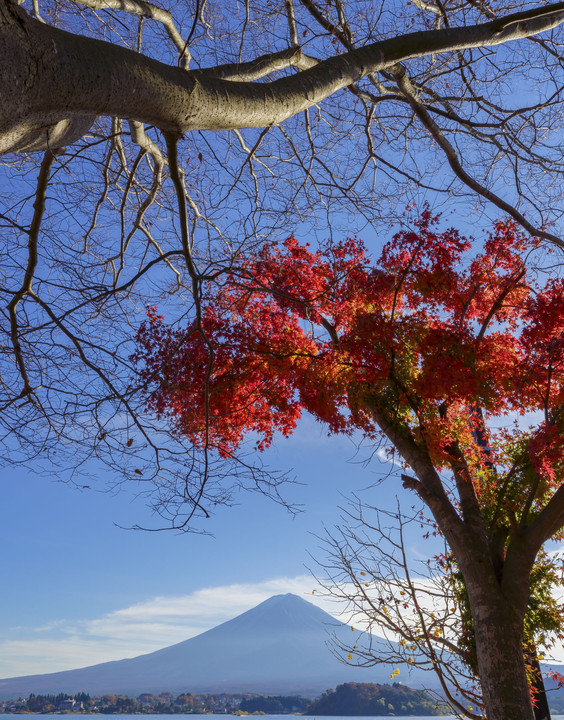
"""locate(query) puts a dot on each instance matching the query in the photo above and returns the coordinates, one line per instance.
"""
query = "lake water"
(98, 716)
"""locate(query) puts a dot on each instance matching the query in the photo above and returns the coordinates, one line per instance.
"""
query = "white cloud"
(189, 615)
(33, 656)
(140, 628)
(147, 626)
(388, 455)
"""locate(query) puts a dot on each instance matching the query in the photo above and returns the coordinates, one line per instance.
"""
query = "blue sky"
(78, 590)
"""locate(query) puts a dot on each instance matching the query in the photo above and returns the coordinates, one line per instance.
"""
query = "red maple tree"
(425, 347)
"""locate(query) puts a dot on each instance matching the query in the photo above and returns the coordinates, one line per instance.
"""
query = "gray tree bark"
(498, 630)
(497, 582)
(54, 83)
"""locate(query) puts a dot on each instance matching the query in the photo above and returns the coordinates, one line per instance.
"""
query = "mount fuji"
(278, 647)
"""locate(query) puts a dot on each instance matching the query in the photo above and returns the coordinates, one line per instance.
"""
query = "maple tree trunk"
(501, 665)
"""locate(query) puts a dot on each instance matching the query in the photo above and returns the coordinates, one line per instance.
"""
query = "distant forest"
(349, 699)
(354, 699)
(110, 704)
(275, 704)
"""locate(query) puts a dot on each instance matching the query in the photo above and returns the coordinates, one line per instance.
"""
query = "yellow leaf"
(349, 656)
(363, 573)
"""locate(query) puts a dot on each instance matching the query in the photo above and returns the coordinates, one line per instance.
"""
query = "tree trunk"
(541, 707)
(501, 664)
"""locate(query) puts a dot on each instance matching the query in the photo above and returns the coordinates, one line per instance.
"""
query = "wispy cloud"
(36, 656)
(140, 628)
(388, 455)
(146, 626)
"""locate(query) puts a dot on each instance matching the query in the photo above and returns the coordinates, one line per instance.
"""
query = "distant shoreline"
(317, 717)
(349, 699)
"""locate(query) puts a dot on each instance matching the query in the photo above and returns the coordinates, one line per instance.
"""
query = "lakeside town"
(165, 702)
(353, 699)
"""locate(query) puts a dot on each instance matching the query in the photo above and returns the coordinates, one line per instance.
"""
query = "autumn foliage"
(427, 334)
(455, 355)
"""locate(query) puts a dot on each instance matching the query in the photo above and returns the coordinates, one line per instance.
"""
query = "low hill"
(366, 699)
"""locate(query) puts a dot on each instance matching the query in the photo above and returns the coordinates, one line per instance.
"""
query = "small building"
(70, 705)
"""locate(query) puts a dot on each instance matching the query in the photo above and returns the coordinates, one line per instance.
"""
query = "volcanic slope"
(279, 647)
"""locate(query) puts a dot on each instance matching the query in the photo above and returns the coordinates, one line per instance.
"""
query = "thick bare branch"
(263, 65)
(85, 76)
